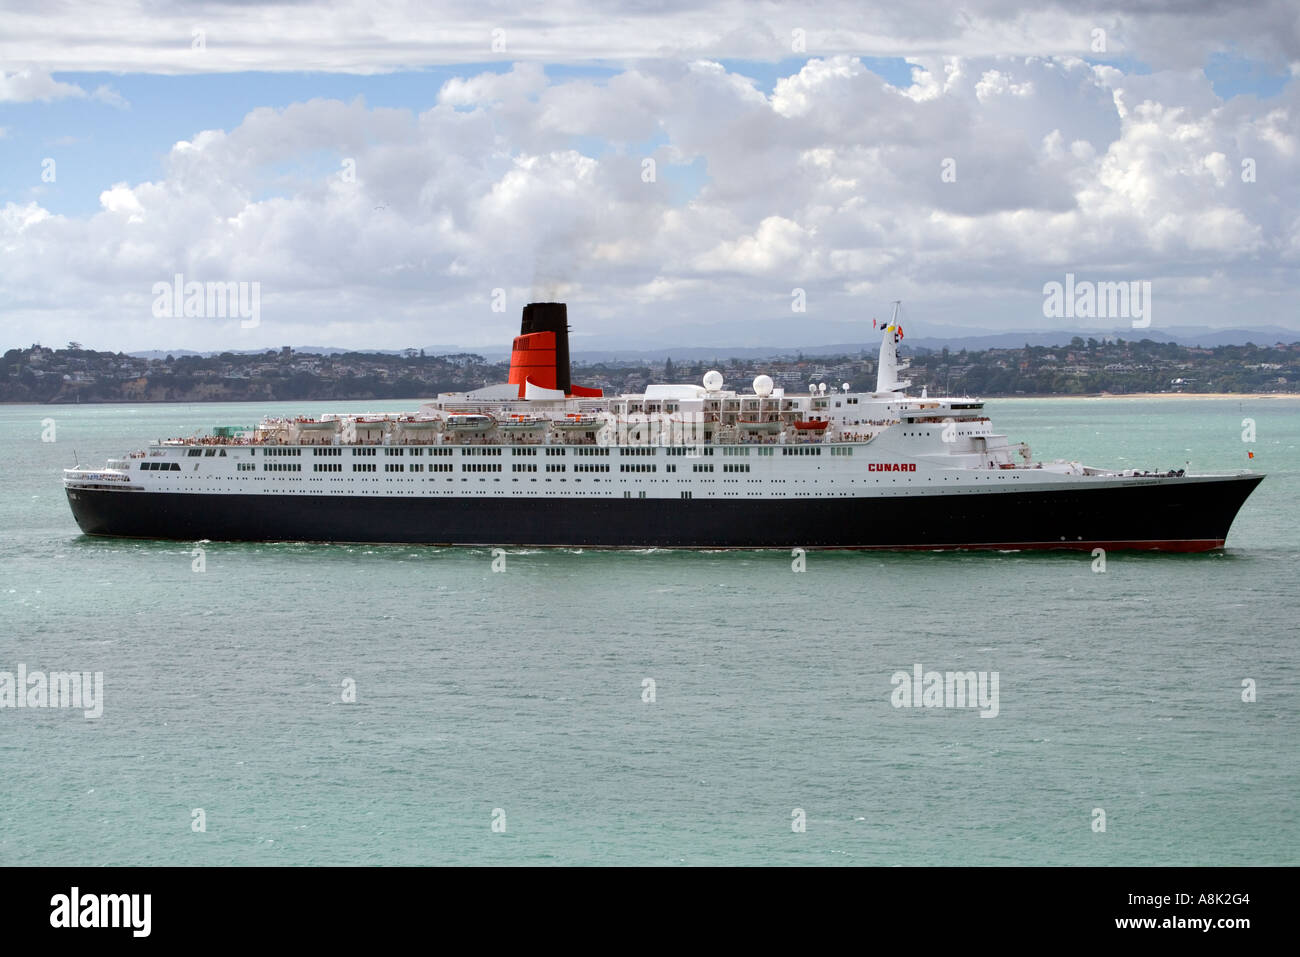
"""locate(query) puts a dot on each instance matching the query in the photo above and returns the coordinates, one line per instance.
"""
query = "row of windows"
(415, 467)
(650, 408)
(469, 467)
(650, 450)
(160, 466)
(245, 466)
(448, 467)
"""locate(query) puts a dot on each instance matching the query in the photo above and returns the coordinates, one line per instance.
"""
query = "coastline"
(1156, 395)
(1185, 395)
(426, 398)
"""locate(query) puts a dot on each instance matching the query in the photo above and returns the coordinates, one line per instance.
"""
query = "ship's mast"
(890, 365)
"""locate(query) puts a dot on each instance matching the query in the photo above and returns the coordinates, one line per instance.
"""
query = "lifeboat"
(522, 423)
(811, 426)
(579, 421)
(470, 422)
(315, 425)
(420, 425)
(759, 426)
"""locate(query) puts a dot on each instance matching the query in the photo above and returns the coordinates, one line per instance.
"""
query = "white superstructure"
(672, 440)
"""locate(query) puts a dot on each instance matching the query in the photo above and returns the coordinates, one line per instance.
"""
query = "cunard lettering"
(891, 467)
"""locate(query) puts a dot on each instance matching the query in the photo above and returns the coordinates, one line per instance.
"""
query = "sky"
(390, 175)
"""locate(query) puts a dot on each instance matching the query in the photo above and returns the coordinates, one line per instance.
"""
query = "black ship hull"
(1177, 514)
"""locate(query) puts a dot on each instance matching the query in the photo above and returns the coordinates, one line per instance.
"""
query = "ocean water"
(516, 697)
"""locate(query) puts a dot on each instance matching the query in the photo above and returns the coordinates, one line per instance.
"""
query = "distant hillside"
(1080, 367)
(599, 349)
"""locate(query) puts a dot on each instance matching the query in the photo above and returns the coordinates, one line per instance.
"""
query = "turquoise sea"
(516, 697)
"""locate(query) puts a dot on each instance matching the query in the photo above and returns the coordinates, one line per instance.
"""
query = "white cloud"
(33, 84)
(995, 83)
(121, 199)
(24, 86)
(364, 37)
(523, 80)
(107, 95)
(777, 244)
(832, 184)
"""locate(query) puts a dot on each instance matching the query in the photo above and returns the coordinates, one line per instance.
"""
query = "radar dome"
(713, 380)
(763, 385)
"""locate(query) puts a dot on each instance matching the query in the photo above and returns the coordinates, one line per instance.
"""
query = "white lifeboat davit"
(522, 423)
(419, 425)
(580, 421)
(470, 422)
(316, 425)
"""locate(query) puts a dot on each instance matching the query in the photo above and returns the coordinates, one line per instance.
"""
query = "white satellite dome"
(713, 380)
(763, 385)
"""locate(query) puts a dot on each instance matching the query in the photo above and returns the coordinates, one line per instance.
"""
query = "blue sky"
(96, 144)
(1173, 158)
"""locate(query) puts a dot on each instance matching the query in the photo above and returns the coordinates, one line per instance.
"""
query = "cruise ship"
(540, 461)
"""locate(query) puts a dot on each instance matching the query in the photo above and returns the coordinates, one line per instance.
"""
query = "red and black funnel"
(541, 350)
